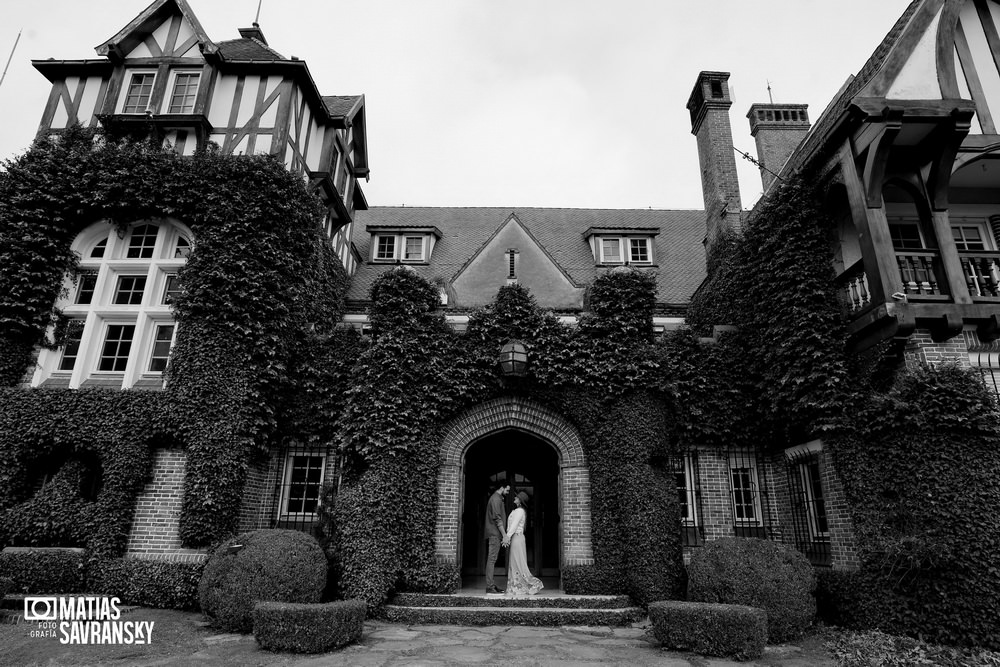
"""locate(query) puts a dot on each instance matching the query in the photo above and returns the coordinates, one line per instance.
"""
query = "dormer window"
(625, 250)
(184, 92)
(400, 247)
(407, 245)
(622, 246)
(140, 88)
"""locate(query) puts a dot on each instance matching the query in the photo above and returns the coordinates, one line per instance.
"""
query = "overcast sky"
(568, 103)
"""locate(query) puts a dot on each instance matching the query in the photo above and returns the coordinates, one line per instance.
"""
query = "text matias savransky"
(85, 620)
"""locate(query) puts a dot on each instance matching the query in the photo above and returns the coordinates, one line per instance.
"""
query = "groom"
(495, 520)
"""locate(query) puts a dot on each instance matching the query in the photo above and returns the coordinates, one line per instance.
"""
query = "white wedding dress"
(519, 578)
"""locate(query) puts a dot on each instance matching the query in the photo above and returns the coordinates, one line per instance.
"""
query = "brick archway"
(522, 415)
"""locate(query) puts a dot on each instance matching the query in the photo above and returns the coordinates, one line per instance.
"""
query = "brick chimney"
(778, 130)
(709, 106)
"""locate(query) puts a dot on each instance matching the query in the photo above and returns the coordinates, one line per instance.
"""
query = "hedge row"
(726, 630)
(308, 628)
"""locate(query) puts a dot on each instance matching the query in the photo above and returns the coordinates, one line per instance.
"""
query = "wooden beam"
(972, 78)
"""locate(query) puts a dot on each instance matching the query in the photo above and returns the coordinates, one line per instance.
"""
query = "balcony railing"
(853, 283)
(982, 273)
(920, 272)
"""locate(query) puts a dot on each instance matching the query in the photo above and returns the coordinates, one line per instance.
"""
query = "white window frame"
(812, 515)
(604, 257)
(739, 461)
(102, 312)
(148, 355)
(172, 86)
(399, 248)
(624, 244)
(685, 466)
(423, 247)
(286, 483)
(99, 352)
(130, 75)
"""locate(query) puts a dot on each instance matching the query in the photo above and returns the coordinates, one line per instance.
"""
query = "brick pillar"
(155, 525)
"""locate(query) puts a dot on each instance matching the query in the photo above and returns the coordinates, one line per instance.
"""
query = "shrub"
(6, 586)
(44, 570)
(757, 573)
(583, 580)
(432, 578)
(159, 584)
(844, 598)
(260, 566)
(862, 649)
(308, 628)
(733, 631)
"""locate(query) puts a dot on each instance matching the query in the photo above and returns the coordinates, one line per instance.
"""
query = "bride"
(519, 579)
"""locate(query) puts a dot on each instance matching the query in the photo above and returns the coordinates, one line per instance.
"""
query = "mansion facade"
(907, 153)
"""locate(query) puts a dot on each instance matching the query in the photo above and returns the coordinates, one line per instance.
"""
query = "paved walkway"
(392, 645)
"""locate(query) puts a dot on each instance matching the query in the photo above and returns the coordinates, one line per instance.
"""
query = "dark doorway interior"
(529, 464)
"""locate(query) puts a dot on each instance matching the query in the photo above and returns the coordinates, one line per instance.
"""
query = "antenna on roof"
(11, 57)
(256, 19)
(769, 91)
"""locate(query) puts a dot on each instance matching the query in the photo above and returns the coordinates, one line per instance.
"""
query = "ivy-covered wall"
(260, 291)
(415, 375)
(915, 449)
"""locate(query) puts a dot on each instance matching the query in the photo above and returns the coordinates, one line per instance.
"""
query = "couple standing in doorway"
(519, 578)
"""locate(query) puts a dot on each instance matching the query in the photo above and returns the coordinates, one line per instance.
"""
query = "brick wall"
(154, 532)
(843, 554)
(575, 547)
(921, 348)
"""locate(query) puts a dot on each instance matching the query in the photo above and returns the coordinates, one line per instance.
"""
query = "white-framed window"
(116, 347)
(302, 484)
(684, 476)
(638, 251)
(138, 92)
(611, 251)
(399, 248)
(121, 324)
(183, 91)
(413, 248)
(815, 505)
(625, 250)
(163, 340)
(744, 479)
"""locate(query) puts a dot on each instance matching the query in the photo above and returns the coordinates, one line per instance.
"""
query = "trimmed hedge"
(260, 566)
(145, 583)
(582, 580)
(726, 630)
(308, 628)
(432, 578)
(36, 571)
(757, 573)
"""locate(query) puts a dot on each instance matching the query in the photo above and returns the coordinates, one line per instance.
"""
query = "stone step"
(541, 601)
(533, 616)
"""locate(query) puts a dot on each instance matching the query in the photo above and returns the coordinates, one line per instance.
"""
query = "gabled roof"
(678, 250)
(892, 48)
(136, 31)
(343, 106)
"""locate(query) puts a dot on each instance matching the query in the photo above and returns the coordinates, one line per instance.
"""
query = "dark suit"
(494, 528)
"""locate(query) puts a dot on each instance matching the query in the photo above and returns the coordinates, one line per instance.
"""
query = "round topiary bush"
(260, 566)
(757, 573)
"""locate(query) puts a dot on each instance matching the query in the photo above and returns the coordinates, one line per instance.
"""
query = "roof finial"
(769, 91)
(256, 19)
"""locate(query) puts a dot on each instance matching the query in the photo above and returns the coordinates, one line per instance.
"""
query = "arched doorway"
(529, 464)
(542, 434)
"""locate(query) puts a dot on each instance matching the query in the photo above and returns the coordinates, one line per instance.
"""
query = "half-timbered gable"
(163, 73)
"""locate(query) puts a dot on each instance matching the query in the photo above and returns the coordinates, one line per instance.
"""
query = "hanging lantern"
(514, 358)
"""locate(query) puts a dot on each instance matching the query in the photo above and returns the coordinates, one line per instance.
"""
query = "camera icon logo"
(40, 609)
